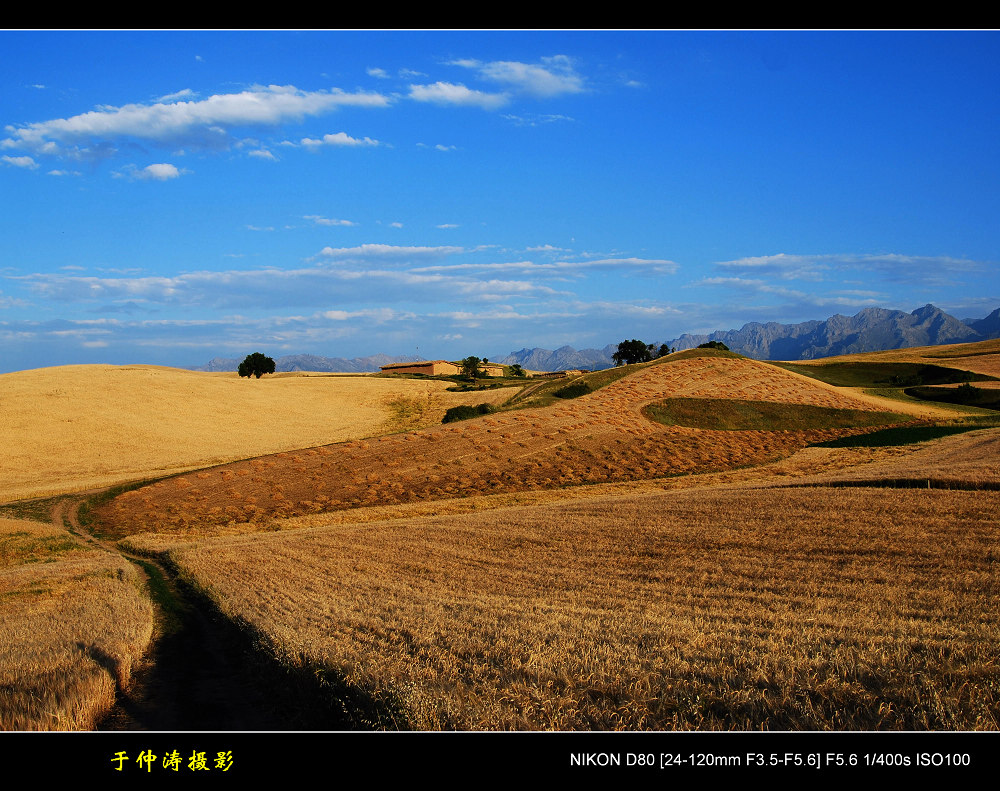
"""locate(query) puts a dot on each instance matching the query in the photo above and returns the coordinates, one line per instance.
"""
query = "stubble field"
(81, 427)
(583, 566)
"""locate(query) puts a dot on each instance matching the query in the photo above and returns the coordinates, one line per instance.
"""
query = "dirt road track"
(200, 672)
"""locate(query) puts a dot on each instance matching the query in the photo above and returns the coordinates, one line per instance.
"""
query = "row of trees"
(635, 351)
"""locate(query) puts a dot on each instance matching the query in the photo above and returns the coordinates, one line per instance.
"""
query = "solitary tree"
(256, 364)
(517, 370)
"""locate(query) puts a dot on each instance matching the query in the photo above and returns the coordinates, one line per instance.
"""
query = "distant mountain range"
(871, 330)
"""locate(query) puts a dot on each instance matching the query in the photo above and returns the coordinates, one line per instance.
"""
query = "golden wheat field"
(717, 609)
(578, 566)
(80, 427)
(74, 619)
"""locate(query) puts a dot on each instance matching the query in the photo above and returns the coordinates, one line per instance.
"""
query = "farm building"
(428, 367)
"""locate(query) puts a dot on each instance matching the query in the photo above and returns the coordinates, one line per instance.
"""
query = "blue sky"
(172, 196)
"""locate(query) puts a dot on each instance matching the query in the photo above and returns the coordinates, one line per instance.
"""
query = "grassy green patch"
(22, 547)
(464, 386)
(722, 414)
(880, 375)
(574, 390)
(173, 609)
(39, 510)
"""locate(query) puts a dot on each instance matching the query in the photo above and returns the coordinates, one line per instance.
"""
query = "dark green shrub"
(464, 412)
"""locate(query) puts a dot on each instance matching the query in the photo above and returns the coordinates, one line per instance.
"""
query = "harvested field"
(83, 426)
(970, 460)
(981, 358)
(73, 622)
(557, 568)
(598, 438)
(707, 608)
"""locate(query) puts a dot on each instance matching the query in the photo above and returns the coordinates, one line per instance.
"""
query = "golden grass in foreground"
(85, 426)
(73, 621)
(711, 609)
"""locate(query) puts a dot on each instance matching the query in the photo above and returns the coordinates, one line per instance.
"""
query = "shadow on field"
(206, 673)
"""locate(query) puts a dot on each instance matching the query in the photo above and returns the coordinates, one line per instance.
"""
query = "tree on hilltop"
(631, 352)
(256, 364)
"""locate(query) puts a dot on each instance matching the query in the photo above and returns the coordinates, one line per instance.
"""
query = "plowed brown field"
(600, 437)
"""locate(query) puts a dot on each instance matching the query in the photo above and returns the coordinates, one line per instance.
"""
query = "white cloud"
(388, 252)
(187, 93)
(817, 267)
(377, 314)
(640, 266)
(536, 119)
(450, 93)
(553, 76)
(20, 162)
(328, 220)
(338, 139)
(844, 298)
(160, 172)
(196, 121)
(262, 153)
(271, 287)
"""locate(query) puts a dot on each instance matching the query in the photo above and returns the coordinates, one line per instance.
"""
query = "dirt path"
(199, 673)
